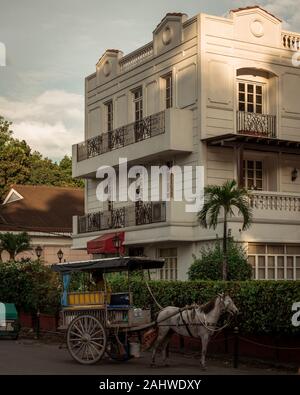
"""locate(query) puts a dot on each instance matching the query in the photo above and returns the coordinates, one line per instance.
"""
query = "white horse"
(194, 321)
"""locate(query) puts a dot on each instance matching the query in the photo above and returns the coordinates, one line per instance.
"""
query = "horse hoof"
(204, 368)
(153, 365)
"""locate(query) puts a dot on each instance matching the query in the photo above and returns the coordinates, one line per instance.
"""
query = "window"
(109, 116)
(138, 104)
(253, 174)
(169, 271)
(274, 261)
(168, 90)
(250, 97)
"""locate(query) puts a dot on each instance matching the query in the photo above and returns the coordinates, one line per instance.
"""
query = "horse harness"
(185, 324)
(207, 325)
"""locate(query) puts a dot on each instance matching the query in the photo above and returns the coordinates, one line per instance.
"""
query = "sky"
(52, 45)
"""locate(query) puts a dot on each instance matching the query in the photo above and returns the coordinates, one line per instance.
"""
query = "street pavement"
(33, 357)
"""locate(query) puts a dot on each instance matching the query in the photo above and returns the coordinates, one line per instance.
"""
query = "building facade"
(217, 92)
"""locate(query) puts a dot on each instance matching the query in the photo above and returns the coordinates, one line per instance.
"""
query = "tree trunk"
(224, 268)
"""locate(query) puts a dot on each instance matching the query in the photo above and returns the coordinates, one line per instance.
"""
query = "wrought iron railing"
(148, 127)
(256, 124)
(139, 213)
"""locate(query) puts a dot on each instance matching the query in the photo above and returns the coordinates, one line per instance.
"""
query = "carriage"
(99, 322)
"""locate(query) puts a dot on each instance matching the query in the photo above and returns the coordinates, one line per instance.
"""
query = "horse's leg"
(165, 349)
(162, 333)
(204, 341)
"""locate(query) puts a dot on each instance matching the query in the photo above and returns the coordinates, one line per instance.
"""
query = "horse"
(198, 321)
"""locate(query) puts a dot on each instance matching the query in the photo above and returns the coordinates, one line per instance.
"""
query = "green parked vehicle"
(9, 321)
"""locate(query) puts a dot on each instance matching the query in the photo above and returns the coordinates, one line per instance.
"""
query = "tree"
(14, 159)
(209, 265)
(19, 165)
(14, 243)
(227, 200)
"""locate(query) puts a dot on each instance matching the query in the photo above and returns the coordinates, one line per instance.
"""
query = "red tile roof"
(170, 14)
(42, 209)
(253, 7)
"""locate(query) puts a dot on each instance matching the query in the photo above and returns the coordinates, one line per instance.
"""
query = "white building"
(222, 92)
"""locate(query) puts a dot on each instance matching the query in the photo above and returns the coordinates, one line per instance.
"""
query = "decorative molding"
(167, 35)
(107, 68)
(257, 28)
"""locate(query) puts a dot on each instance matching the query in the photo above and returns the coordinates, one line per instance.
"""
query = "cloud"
(50, 122)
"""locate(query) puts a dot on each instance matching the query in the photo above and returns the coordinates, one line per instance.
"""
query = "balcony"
(133, 215)
(275, 206)
(167, 132)
(290, 41)
(134, 132)
(254, 124)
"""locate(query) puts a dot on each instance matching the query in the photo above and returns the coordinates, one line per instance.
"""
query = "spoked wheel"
(86, 339)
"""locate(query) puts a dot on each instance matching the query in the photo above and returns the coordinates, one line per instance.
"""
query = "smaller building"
(45, 212)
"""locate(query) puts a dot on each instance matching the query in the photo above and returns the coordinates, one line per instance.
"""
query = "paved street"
(31, 357)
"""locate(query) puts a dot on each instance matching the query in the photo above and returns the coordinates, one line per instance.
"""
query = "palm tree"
(14, 243)
(224, 199)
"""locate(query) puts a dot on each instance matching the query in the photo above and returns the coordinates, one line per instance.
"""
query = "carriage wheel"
(86, 339)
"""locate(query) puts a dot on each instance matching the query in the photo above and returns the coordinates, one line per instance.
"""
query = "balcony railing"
(275, 201)
(137, 57)
(139, 213)
(148, 127)
(256, 124)
(290, 40)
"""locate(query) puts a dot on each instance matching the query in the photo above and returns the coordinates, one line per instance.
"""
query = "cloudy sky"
(53, 44)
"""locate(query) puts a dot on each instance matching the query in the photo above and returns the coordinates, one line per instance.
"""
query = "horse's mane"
(207, 307)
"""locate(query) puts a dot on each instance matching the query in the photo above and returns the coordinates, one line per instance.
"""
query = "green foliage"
(209, 265)
(14, 243)
(222, 200)
(19, 165)
(265, 306)
(227, 201)
(31, 286)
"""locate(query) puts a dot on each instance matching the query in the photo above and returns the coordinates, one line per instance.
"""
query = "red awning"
(104, 244)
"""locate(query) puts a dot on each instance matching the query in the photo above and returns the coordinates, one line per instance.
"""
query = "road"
(32, 357)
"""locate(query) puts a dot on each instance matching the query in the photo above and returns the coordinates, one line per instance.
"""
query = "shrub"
(265, 306)
(30, 285)
(209, 265)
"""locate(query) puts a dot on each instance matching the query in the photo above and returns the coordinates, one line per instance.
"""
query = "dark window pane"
(242, 96)
(259, 89)
(250, 88)
(250, 98)
(259, 109)
(259, 184)
(250, 108)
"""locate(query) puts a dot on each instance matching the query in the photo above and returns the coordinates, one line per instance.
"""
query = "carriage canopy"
(107, 265)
